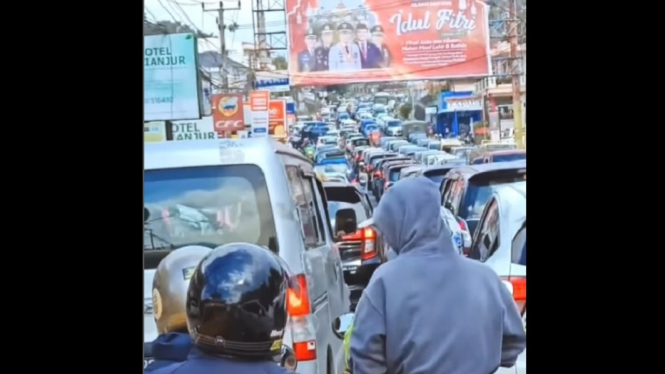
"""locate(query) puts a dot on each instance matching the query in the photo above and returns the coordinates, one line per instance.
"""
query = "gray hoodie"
(430, 310)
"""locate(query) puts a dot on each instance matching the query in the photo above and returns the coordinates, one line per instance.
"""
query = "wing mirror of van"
(342, 323)
(346, 221)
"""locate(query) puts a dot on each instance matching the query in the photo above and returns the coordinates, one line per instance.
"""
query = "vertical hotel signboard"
(277, 119)
(259, 104)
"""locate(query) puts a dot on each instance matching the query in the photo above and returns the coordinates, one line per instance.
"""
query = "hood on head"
(409, 217)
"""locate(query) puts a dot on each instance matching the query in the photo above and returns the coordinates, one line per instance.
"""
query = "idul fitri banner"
(171, 87)
(378, 40)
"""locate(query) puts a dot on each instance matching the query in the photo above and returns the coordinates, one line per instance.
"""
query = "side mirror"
(342, 323)
(146, 214)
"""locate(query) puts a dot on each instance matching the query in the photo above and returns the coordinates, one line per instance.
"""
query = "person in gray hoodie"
(430, 310)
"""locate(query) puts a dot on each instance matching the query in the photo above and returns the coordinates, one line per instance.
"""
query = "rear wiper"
(151, 244)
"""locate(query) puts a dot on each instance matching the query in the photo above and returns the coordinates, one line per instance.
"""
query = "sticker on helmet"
(277, 344)
(188, 272)
(156, 303)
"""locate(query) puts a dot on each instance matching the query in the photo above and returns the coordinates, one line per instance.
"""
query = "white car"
(460, 233)
(326, 140)
(504, 217)
(242, 189)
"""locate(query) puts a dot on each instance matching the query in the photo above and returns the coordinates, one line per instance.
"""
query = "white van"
(213, 192)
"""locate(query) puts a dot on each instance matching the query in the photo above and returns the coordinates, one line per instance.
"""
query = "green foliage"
(405, 111)
(280, 63)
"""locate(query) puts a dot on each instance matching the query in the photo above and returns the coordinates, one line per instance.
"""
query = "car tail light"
(462, 225)
(517, 287)
(377, 175)
(367, 237)
(298, 306)
(370, 168)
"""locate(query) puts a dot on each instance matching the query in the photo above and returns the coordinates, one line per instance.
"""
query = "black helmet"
(236, 302)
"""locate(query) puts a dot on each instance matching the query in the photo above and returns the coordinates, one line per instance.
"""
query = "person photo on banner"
(377, 39)
(306, 57)
(370, 55)
(345, 55)
(322, 51)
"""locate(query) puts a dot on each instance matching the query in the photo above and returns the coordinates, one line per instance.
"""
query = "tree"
(405, 110)
(280, 63)
(170, 27)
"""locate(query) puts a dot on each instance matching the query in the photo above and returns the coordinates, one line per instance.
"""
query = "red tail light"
(377, 175)
(299, 309)
(517, 286)
(370, 168)
(367, 237)
(357, 157)
(462, 225)
(297, 297)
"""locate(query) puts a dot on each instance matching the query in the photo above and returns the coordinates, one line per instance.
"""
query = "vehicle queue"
(214, 192)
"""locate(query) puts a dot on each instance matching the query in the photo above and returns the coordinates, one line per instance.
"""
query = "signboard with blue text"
(273, 84)
(171, 87)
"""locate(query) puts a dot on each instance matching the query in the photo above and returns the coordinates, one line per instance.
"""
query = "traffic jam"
(311, 201)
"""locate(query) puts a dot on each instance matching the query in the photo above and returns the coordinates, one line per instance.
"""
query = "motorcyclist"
(236, 312)
(169, 291)
(382, 343)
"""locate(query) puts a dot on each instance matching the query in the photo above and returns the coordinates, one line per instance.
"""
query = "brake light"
(377, 175)
(517, 287)
(303, 334)
(367, 238)
(370, 168)
(297, 298)
(357, 157)
(462, 225)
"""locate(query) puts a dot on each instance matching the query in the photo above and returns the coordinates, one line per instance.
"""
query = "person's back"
(443, 313)
(169, 348)
(198, 362)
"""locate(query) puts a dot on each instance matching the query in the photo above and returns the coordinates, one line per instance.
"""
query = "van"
(254, 190)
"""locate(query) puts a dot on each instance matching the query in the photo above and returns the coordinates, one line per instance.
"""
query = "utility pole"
(516, 74)
(222, 39)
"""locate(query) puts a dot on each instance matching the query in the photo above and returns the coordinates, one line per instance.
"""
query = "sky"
(189, 12)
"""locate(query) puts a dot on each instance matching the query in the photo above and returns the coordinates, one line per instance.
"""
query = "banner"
(352, 41)
(227, 112)
(171, 89)
(202, 129)
(259, 104)
(277, 125)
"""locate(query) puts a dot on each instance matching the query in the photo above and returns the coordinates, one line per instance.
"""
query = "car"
(393, 127)
(361, 253)
(500, 156)
(326, 140)
(356, 142)
(373, 159)
(394, 145)
(437, 173)
(468, 188)
(357, 154)
(421, 142)
(328, 154)
(462, 152)
(412, 152)
(410, 172)
(414, 137)
(407, 147)
(500, 243)
(377, 171)
(459, 232)
(334, 168)
(214, 192)
(435, 145)
(386, 139)
(441, 158)
(390, 175)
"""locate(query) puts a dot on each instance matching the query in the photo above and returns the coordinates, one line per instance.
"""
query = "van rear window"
(481, 187)
(209, 206)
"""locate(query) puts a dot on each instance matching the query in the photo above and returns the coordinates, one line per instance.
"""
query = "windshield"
(434, 145)
(381, 100)
(394, 123)
(476, 196)
(509, 157)
(211, 206)
(436, 176)
(331, 168)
